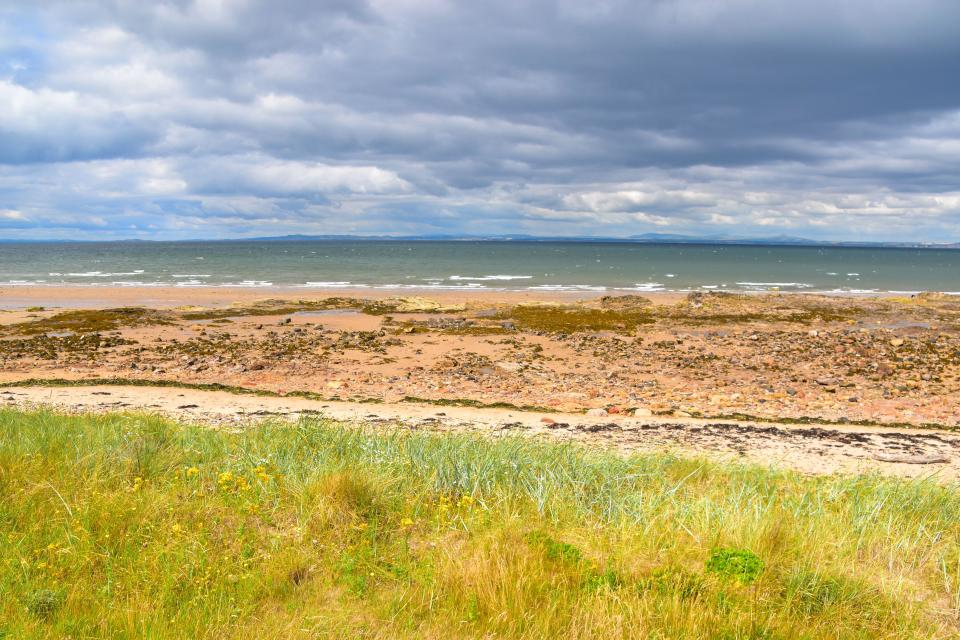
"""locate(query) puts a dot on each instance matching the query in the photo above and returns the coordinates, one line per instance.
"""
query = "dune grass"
(132, 526)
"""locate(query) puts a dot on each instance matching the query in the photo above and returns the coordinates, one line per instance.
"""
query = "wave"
(138, 283)
(647, 286)
(334, 285)
(798, 285)
(439, 287)
(482, 278)
(849, 290)
(247, 284)
(97, 274)
(567, 287)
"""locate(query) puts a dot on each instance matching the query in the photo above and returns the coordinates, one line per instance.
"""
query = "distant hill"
(647, 238)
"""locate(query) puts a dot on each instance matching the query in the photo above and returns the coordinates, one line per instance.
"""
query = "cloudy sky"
(228, 118)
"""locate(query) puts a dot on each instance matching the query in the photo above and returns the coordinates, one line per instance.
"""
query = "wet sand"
(80, 297)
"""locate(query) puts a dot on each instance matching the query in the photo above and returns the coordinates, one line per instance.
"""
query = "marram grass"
(132, 526)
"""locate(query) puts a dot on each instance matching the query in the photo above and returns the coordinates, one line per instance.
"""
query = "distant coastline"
(649, 238)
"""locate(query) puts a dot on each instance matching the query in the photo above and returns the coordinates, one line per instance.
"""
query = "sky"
(172, 119)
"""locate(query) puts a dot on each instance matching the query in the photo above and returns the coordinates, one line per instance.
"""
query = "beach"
(869, 362)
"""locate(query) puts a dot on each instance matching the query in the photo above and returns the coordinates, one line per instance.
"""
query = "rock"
(642, 412)
(548, 421)
(596, 412)
(826, 382)
(896, 342)
(614, 409)
(416, 304)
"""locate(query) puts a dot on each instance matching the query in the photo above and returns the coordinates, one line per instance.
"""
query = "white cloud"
(208, 117)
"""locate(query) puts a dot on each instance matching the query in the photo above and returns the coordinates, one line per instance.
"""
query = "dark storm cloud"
(222, 117)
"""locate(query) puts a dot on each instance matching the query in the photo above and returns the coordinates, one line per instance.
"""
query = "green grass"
(132, 526)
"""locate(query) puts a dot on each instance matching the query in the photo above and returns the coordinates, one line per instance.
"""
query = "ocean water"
(488, 265)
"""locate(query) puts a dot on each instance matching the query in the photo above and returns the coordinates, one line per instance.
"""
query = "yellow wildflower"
(193, 472)
(406, 522)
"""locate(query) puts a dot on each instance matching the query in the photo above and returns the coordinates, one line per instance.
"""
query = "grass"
(132, 526)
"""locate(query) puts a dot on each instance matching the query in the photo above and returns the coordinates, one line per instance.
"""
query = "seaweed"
(91, 321)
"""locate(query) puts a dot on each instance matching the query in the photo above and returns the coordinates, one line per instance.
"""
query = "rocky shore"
(790, 358)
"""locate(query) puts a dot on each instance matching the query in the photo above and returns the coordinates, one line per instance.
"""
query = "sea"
(481, 265)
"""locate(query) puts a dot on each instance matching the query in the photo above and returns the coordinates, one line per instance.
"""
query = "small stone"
(597, 412)
(548, 421)
(896, 342)
(642, 412)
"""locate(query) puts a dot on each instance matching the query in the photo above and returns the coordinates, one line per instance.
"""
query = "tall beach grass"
(133, 526)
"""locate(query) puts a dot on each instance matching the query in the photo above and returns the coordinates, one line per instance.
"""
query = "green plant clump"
(737, 564)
